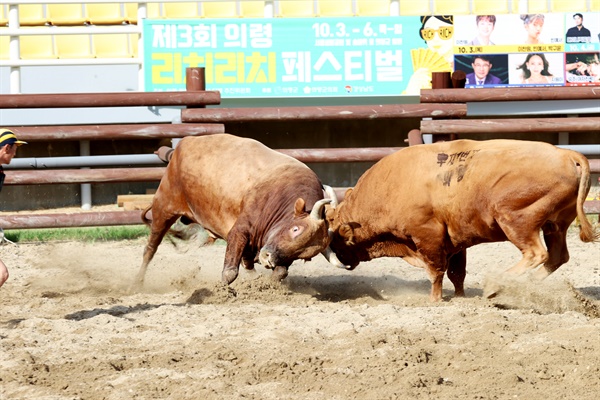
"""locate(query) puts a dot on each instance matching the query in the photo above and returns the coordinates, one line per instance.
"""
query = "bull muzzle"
(265, 257)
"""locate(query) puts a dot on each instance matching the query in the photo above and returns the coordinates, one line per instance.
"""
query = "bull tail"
(145, 219)
(587, 233)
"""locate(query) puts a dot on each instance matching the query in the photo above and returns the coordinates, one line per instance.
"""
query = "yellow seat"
(296, 8)
(66, 14)
(32, 15)
(3, 14)
(252, 9)
(219, 9)
(451, 7)
(153, 11)
(106, 13)
(537, 6)
(374, 7)
(118, 45)
(36, 46)
(567, 6)
(335, 8)
(414, 8)
(595, 5)
(4, 47)
(487, 7)
(73, 46)
(181, 10)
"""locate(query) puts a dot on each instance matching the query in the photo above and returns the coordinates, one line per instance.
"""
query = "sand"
(71, 329)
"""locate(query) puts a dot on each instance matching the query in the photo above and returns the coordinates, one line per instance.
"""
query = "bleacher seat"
(252, 9)
(32, 15)
(66, 14)
(3, 14)
(296, 8)
(487, 7)
(595, 5)
(451, 7)
(219, 9)
(181, 10)
(415, 8)
(118, 45)
(106, 13)
(537, 6)
(567, 6)
(342, 8)
(153, 10)
(4, 47)
(373, 7)
(73, 46)
(37, 46)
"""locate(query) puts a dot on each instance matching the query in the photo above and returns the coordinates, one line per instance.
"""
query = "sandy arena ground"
(70, 328)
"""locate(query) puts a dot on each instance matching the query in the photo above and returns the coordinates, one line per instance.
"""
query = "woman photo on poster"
(583, 68)
(535, 69)
(533, 24)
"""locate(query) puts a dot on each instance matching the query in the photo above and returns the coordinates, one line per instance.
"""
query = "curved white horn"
(317, 210)
(331, 193)
(332, 258)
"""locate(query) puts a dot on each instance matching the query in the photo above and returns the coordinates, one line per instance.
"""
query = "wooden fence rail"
(513, 125)
(114, 132)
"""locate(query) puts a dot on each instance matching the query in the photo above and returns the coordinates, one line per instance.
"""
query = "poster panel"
(286, 57)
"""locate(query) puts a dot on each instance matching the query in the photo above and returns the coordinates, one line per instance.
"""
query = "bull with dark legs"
(269, 207)
(429, 203)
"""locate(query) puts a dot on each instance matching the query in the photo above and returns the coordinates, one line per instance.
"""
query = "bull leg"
(436, 268)
(558, 253)
(457, 270)
(236, 243)
(531, 247)
(160, 226)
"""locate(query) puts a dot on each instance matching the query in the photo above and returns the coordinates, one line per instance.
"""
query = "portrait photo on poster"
(513, 29)
(582, 31)
(540, 69)
(582, 69)
(475, 30)
(489, 70)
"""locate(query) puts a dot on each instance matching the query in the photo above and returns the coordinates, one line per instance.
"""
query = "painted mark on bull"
(461, 156)
(457, 165)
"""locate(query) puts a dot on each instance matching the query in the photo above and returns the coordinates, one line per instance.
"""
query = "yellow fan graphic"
(428, 59)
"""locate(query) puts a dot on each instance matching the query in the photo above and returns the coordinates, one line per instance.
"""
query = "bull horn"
(331, 193)
(317, 210)
(332, 258)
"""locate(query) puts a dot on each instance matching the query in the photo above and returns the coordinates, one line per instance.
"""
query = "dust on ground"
(71, 328)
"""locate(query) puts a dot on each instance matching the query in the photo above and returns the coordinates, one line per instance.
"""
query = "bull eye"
(295, 230)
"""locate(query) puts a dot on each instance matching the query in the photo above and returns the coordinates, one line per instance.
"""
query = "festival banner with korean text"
(371, 56)
(290, 57)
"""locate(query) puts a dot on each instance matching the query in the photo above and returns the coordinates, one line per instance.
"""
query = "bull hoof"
(229, 275)
(279, 274)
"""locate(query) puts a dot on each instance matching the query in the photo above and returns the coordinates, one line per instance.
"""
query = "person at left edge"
(8, 149)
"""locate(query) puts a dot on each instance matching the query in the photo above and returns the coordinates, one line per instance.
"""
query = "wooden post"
(441, 80)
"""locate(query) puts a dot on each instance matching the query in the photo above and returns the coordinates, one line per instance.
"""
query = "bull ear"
(299, 207)
(347, 233)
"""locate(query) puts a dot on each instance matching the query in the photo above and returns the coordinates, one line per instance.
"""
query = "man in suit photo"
(481, 72)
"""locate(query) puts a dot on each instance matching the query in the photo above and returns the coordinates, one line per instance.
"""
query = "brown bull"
(241, 191)
(429, 203)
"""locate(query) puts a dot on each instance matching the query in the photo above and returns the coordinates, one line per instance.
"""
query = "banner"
(290, 57)
(528, 50)
(370, 56)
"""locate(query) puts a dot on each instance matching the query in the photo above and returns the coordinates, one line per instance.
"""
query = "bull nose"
(265, 258)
